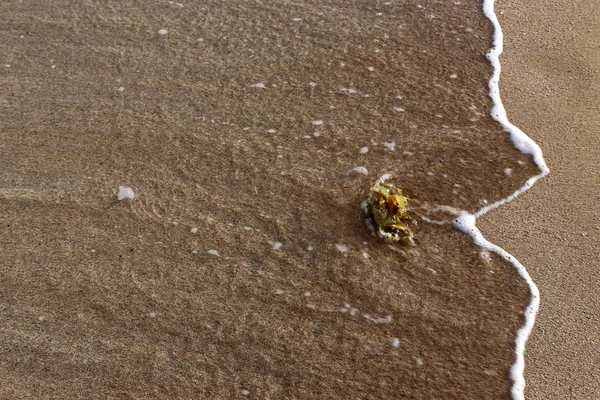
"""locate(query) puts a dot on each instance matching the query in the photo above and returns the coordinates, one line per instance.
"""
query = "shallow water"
(245, 121)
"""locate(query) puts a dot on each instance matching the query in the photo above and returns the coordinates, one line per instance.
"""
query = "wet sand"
(244, 266)
(551, 89)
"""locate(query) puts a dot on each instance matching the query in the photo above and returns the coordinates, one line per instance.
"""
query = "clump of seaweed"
(387, 208)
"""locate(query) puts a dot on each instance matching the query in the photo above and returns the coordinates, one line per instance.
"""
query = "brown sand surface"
(551, 89)
(282, 292)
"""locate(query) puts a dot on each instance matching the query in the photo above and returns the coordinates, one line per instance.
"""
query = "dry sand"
(551, 89)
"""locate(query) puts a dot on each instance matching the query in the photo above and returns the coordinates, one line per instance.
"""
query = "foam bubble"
(390, 145)
(125, 193)
(378, 320)
(342, 248)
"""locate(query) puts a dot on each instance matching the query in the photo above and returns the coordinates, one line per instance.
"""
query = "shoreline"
(560, 360)
(467, 222)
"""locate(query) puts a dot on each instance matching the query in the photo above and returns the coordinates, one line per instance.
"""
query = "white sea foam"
(342, 248)
(378, 320)
(125, 193)
(467, 222)
(390, 145)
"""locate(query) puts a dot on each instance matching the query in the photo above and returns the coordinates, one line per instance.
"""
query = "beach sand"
(244, 266)
(551, 89)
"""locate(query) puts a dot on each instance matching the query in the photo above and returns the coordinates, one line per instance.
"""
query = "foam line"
(467, 222)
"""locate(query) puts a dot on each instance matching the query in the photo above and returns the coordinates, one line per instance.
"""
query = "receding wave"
(250, 133)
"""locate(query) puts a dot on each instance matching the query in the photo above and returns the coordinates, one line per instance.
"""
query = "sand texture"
(243, 267)
(551, 89)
